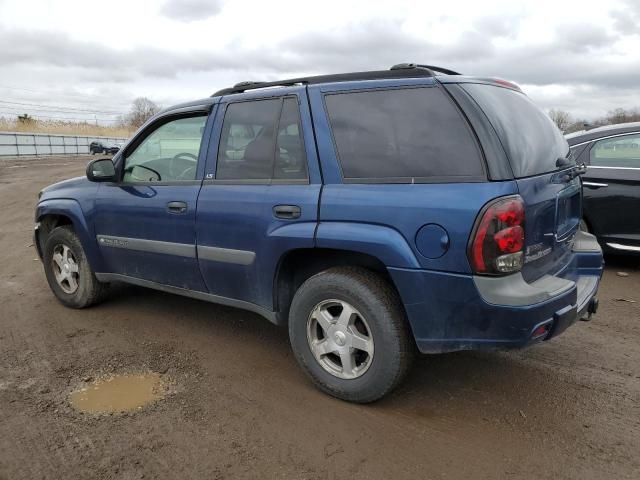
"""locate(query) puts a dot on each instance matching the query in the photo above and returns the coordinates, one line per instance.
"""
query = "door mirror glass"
(101, 170)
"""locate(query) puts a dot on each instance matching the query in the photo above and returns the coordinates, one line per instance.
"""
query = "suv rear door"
(538, 155)
(260, 196)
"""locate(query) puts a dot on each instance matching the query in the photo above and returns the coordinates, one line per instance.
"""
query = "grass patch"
(66, 128)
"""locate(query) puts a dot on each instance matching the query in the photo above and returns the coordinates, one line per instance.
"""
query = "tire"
(79, 288)
(385, 346)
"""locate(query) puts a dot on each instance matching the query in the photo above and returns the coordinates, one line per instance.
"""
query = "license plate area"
(568, 212)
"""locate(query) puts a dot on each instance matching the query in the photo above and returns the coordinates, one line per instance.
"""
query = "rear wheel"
(68, 272)
(348, 332)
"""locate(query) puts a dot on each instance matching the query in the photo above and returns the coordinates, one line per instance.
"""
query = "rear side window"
(290, 161)
(530, 138)
(617, 152)
(247, 144)
(409, 134)
(262, 140)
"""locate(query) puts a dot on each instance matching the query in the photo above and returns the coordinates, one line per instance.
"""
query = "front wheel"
(68, 272)
(349, 333)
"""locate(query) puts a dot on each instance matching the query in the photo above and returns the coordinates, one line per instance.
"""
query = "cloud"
(582, 57)
(499, 25)
(362, 46)
(627, 20)
(580, 38)
(191, 10)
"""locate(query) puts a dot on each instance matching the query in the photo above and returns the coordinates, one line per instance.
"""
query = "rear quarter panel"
(401, 208)
(404, 209)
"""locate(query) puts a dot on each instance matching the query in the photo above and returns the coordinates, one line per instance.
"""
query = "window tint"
(170, 153)
(532, 141)
(247, 145)
(412, 133)
(290, 159)
(617, 152)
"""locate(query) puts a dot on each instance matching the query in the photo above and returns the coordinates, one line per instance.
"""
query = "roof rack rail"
(247, 84)
(401, 70)
(433, 68)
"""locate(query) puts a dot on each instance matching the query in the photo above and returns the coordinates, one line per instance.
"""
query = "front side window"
(407, 135)
(621, 151)
(170, 153)
(261, 140)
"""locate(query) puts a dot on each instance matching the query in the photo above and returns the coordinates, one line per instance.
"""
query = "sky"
(90, 59)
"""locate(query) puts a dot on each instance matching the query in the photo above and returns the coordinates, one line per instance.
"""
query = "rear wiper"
(569, 161)
(578, 170)
(571, 173)
(562, 162)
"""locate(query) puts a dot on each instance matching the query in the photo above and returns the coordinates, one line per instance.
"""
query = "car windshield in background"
(532, 141)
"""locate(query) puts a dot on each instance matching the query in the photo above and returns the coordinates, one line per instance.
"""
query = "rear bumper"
(450, 312)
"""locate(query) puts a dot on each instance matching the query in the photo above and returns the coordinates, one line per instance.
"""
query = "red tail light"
(506, 83)
(497, 243)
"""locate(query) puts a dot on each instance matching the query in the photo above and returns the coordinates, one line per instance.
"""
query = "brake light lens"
(506, 83)
(498, 239)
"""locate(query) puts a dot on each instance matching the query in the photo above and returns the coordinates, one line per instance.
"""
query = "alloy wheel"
(340, 339)
(65, 268)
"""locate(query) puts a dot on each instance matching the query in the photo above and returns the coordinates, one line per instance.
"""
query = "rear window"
(409, 134)
(532, 141)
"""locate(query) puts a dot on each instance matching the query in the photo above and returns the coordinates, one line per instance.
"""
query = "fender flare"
(379, 241)
(71, 209)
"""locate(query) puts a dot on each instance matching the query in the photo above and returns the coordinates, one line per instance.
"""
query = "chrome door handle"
(287, 212)
(177, 207)
(595, 184)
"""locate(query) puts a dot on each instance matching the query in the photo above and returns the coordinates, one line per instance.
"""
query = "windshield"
(531, 140)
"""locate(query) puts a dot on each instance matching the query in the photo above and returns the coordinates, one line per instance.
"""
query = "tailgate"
(538, 156)
(553, 209)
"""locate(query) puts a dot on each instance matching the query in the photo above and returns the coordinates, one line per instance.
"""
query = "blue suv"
(373, 213)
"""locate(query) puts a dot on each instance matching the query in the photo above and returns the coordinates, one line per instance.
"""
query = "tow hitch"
(591, 309)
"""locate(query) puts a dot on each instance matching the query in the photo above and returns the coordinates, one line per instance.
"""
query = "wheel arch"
(51, 214)
(296, 266)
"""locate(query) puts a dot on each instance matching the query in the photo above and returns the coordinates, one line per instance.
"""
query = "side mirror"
(101, 170)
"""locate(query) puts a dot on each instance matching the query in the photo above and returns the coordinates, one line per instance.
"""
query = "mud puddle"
(119, 393)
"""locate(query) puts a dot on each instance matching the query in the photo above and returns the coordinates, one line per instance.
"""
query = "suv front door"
(145, 223)
(612, 191)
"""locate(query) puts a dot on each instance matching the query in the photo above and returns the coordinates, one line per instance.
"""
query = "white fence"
(35, 144)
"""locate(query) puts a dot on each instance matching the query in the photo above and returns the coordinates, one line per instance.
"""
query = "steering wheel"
(130, 169)
(182, 174)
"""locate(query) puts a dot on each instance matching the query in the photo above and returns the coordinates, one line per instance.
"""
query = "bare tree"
(561, 118)
(142, 109)
(620, 115)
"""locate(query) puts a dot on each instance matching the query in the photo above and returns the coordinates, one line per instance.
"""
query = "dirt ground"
(241, 408)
